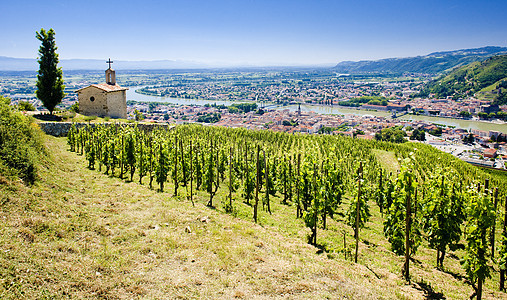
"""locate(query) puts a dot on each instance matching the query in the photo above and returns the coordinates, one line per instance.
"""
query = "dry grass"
(80, 234)
(388, 160)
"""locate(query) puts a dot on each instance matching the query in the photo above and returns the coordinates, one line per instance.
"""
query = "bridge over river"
(326, 109)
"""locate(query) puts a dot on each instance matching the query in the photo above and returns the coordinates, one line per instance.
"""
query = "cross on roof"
(109, 62)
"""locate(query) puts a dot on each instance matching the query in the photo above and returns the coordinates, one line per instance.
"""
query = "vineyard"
(335, 189)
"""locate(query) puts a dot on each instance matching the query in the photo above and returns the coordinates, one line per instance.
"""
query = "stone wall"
(62, 128)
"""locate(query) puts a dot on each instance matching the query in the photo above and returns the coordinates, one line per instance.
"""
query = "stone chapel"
(104, 99)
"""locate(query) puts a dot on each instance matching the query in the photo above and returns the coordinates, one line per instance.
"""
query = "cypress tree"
(50, 78)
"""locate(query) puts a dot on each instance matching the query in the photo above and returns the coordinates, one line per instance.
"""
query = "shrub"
(74, 107)
(392, 134)
(25, 106)
(209, 118)
(90, 118)
(20, 144)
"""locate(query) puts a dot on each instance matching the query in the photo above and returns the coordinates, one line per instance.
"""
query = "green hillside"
(433, 63)
(486, 80)
(77, 232)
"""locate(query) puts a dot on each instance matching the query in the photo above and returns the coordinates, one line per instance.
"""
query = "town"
(487, 148)
(278, 96)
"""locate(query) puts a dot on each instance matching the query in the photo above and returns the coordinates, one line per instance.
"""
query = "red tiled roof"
(489, 151)
(106, 87)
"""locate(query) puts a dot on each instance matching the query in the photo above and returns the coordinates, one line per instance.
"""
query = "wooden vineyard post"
(151, 163)
(183, 168)
(209, 175)
(122, 150)
(493, 229)
(438, 249)
(326, 204)
(113, 158)
(344, 245)
(289, 190)
(381, 190)
(356, 233)
(415, 204)
(256, 204)
(175, 172)
(230, 180)
(315, 206)
(141, 161)
(407, 234)
(502, 272)
(266, 171)
(298, 208)
(285, 176)
(191, 174)
(482, 251)
(245, 166)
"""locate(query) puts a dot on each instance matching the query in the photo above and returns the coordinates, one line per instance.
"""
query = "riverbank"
(328, 110)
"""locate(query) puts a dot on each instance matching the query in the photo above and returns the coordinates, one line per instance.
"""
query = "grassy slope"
(76, 117)
(81, 234)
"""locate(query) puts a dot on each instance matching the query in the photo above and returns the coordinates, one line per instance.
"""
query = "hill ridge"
(486, 79)
(433, 63)
(31, 64)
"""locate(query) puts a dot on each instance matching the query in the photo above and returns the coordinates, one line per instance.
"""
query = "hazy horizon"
(253, 33)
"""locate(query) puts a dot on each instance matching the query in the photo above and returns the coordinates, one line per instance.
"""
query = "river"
(326, 109)
(460, 123)
(132, 95)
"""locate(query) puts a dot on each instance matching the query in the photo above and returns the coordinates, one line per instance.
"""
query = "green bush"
(209, 118)
(25, 106)
(90, 118)
(74, 107)
(20, 144)
(392, 134)
(138, 115)
(68, 115)
(418, 134)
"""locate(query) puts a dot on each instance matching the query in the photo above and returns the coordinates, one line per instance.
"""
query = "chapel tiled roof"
(106, 87)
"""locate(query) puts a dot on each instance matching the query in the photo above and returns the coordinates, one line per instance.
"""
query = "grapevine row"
(432, 197)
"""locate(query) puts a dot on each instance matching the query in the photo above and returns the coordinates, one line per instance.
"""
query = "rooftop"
(106, 87)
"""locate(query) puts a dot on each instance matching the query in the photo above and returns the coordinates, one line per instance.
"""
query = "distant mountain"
(17, 64)
(433, 63)
(28, 64)
(486, 80)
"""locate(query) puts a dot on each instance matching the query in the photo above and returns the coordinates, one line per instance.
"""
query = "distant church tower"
(104, 99)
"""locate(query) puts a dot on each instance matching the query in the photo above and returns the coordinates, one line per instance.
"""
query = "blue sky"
(275, 32)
